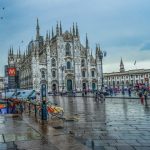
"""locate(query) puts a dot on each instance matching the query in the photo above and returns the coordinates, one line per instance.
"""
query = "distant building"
(60, 61)
(127, 78)
(13, 81)
(1, 84)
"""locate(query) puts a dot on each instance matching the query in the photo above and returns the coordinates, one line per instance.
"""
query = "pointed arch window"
(68, 65)
(68, 51)
(83, 73)
(93, 73)
(43, 74)
(53, 62)
(82, 62)
(53, 74)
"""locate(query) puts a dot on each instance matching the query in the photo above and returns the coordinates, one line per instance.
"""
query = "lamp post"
(62, 67)
(101, 55)
(44, 105)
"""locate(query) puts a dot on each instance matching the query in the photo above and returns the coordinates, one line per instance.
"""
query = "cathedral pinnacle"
(77, 31)
(87, 42)
(57, 30)
(52, 33)
(37, 30)
(60, 28)
(73, 30)
(47, 38)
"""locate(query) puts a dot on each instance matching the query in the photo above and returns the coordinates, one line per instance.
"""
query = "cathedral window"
(82, 62)
(68, 52)
(53, 74)
(68, 65)
(93, 73)
(83, 73)
(43, 74)
(53, 62)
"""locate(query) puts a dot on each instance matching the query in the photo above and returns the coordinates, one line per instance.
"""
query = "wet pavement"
(116, 124)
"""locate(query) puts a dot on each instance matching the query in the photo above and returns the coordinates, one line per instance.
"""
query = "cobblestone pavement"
(116, 124)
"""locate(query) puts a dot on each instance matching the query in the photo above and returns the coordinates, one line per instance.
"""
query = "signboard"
(11, 71)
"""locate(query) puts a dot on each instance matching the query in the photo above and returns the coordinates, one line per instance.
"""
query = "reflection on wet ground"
(115, 124)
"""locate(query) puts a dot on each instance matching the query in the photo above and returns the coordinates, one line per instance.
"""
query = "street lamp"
(101, 55)
(62, 67)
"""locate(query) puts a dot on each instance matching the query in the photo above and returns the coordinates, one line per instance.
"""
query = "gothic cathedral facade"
(60, 61)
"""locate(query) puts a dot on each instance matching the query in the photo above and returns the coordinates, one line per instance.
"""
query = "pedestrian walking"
(141, 97)
(129, 92)
(21, 108)
(145, 95)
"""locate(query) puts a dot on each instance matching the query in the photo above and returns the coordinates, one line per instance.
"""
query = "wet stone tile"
(35, 145)
(21, 137)
(110, 148)
(142, 148)
(1, 139)
(125, 148)
(3, 146)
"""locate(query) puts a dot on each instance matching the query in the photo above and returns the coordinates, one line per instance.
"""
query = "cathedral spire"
(57, 29)
(87, 42)
(60, 28)
(19, 52)
(77, 31)
(73, 30)
(122, 66)
(37, 30)
(47, 38)
(97, 49)
(52, 33)
(12, 51)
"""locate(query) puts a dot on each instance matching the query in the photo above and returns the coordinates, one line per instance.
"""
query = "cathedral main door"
(54, 87)
(69, 85)
(93, 86)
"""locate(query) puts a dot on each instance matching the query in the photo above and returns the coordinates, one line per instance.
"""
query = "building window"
(127, 77)
(83, 73)
(142, 76)
(82, 63)
(53, 62)
(53, 74)
(117, 82)
(136, 76)
(93, 73)
(68, 65)
(68, 52)
(43, 74)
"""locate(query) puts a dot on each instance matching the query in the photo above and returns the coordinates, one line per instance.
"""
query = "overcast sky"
(121, 27)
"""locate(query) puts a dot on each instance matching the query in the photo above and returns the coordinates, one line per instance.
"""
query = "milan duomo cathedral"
(59, 61)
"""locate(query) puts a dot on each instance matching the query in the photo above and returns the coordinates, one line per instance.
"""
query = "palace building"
(127, 78)
(59, 61)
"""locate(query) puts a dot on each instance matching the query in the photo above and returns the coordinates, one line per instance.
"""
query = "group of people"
(143, 95)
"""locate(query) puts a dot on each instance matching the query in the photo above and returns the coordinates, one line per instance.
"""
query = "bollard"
(29, 108)
(35, 109)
